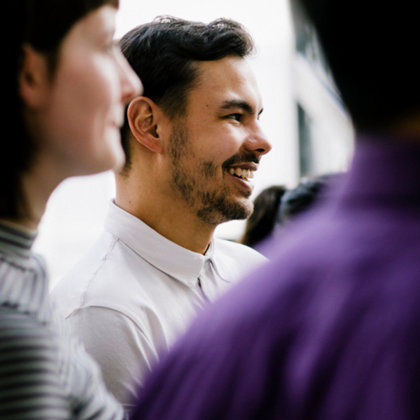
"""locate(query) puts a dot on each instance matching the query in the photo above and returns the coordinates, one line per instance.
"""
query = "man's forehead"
(228, 82)
(228, 69)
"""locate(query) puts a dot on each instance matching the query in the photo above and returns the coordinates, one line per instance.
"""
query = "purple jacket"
(330, 328)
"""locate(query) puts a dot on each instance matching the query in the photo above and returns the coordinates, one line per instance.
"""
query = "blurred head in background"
(263, 219)
(370, 47)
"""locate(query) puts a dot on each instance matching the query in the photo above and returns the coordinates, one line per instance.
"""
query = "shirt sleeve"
(119, 346)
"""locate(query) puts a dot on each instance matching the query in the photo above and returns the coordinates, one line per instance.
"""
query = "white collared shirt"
(135, 291)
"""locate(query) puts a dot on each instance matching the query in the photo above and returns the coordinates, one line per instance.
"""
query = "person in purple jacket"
(330, 328)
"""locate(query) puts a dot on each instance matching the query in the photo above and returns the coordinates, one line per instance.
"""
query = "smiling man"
(193, 142)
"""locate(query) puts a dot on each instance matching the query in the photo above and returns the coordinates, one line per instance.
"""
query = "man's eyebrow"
(233, 103)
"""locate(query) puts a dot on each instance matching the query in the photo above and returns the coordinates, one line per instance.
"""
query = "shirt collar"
(165, 255)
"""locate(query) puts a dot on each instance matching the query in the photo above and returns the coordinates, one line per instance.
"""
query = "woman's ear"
(142, 115)
(33, 77)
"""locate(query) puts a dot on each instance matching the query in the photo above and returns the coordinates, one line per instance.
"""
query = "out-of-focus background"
(310, 131)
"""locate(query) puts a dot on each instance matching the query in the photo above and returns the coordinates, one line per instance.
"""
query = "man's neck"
(177, 224)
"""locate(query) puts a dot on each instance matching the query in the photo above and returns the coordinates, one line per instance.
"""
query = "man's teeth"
(242, 173)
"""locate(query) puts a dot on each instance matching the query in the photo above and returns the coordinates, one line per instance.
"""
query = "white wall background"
(76, 210)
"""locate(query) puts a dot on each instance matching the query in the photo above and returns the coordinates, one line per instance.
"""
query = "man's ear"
(33, 77)
(143, 118)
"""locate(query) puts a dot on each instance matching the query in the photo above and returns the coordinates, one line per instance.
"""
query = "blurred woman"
(66, 89)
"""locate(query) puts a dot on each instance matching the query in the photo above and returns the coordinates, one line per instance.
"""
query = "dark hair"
(297, 200)
(300, 198)
(42, 24)
(163, 53)
(263, 219)
(371, 49)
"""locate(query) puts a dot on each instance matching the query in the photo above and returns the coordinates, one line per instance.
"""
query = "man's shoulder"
(232, 249)
(96, 279)
(234, 260)
(235, 248)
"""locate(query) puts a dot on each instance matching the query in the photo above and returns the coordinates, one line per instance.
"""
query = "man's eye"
(236, 117)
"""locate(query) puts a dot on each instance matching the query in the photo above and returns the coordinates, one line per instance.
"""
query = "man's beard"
(212, 205)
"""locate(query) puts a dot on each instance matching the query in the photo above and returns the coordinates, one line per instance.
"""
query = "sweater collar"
(16, 240)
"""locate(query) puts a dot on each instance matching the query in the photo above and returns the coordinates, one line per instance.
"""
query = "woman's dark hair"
(42, 24)
(297, 200)
(264, 217)
(302, 197)
(163, 53)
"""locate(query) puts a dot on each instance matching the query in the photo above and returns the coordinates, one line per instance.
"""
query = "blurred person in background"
(193, 142)
(328, 329)
(66, 87)
(297, 200)
(276, 206)
(263, 219)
